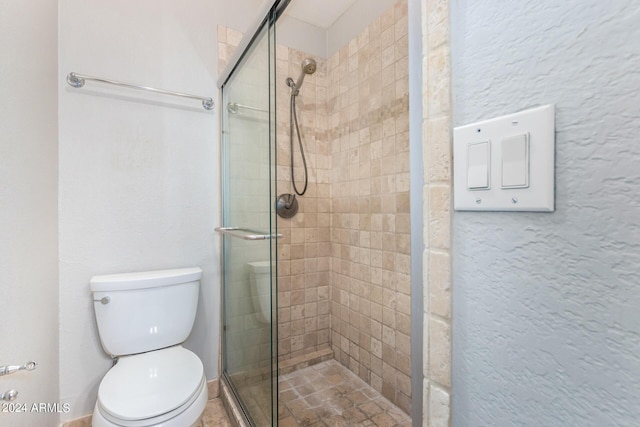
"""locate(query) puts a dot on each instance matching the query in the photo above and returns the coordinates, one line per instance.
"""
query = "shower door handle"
(244, 234)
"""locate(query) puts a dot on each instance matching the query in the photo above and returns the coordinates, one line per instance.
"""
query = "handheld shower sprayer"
(308, 66)
(287, 205)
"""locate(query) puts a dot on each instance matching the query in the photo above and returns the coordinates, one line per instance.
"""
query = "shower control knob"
(287, 205)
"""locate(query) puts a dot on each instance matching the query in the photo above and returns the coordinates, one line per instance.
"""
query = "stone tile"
(439, 407)
(439, 352)
(215, 415)
(439, 81)
(344, 400)
(439, 274)
(213, 388)
(440, 217)
(439, 143)
(437, 21)
(383, 420)
(80, 422)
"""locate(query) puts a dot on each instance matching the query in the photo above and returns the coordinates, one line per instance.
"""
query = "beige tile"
(387, 19)
(383, 420)
(213, 388)
(440, 352)
(440, 217)
(439, 81)
(437, 21)
(439, 276)
(439, 407)
(222, 34)
(215, 415)
(439, 143)
(233, 37)
(79, 422)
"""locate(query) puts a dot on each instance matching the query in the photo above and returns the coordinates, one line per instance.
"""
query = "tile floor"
(214, 415)
(328, 394)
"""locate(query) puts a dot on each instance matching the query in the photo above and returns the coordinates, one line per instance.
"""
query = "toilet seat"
(151, 388)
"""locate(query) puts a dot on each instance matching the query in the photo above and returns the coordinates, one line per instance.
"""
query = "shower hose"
(293, 123)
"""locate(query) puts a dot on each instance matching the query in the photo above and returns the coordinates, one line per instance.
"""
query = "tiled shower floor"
(328, 394)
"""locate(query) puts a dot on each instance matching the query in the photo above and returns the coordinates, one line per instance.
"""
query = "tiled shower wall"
(344, 260)
(304, 250)
(370, 230)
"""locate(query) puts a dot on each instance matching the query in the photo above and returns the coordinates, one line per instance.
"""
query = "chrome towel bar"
(78, 80)
(243, 234)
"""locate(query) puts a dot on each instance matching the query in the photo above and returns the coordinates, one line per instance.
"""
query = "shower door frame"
(268, 23)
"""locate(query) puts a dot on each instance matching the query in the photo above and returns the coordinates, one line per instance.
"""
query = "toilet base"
(190, 417)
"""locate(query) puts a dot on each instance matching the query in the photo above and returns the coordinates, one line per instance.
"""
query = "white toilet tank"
(260, 282)
(139, 312)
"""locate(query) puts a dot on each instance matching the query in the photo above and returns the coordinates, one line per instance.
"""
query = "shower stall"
(317, 286)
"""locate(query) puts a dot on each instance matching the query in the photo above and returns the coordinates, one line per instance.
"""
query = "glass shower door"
(249, 231)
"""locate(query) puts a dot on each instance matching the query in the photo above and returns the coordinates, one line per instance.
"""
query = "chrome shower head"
(309, 66)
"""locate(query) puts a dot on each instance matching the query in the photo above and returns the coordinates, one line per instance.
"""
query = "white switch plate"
(538, 124)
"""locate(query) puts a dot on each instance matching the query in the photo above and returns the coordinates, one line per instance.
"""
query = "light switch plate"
(535, 126)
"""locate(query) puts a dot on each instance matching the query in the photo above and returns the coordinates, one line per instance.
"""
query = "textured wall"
(546, 326)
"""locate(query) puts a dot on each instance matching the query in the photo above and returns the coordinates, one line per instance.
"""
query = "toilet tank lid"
(145, 279)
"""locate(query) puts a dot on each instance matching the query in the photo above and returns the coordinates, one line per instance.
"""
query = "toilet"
(260, 282)
(142, 319)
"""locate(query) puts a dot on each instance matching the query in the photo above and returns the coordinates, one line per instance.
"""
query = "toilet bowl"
(142, 320)
(260, 282)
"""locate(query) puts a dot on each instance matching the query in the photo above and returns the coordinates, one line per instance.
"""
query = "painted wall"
(138, 173)
(28, 213)
(546, 328)
(301, 36)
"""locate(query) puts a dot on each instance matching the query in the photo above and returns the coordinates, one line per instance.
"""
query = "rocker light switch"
(478, 156)
(515, 161)
(506, 163)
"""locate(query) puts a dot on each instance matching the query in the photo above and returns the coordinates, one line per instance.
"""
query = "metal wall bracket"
(10, 369)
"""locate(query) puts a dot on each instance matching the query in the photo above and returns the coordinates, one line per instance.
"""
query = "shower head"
(309, 66)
